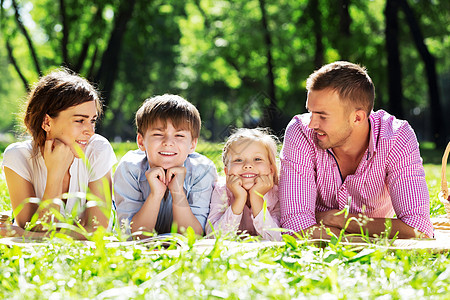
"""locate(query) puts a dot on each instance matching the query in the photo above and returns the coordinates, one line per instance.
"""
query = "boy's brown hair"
(349, 80)
(182, 114)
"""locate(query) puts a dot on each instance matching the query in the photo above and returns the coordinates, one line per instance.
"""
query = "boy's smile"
(166, 146)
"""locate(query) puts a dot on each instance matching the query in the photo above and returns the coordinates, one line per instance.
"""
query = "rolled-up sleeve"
(406, 182)
(267, 223)
(221, 217)
(201, 188)
(128, 196)
(297, 188)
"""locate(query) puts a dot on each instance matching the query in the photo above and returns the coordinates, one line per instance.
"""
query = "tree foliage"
(242, 63)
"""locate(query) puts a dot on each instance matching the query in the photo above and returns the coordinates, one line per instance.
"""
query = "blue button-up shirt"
(131, 189)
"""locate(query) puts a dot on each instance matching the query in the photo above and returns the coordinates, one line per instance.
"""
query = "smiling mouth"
(82, 143)
(165, 153)
(248, 175)
(321, 134)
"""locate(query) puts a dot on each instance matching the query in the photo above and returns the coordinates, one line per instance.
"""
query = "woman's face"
(73, 126)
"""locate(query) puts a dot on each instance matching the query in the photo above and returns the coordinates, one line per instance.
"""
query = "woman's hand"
(58, 157)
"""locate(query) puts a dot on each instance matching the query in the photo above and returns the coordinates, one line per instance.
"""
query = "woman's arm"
(19, 190)
(98, 215)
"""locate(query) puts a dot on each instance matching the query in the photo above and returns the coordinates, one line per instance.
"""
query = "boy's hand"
(234, 184)
(156, 178)
(57, 157)
(175, 179)
(263, 184)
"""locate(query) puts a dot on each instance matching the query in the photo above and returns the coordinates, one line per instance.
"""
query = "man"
(343, 155)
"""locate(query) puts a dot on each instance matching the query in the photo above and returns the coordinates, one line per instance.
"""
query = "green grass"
(66, 269)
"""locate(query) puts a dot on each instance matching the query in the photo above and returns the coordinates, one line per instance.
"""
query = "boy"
(165, 181)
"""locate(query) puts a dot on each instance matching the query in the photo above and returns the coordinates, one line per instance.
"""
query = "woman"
(60, 116)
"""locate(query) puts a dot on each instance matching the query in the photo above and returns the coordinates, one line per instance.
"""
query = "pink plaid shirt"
(389, 179)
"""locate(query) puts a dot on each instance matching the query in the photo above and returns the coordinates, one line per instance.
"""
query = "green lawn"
(67, 269)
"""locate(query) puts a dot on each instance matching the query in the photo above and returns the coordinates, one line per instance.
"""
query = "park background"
(242, 63)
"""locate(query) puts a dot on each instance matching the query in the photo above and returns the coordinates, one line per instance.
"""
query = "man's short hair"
(349, 80)
(179, 111)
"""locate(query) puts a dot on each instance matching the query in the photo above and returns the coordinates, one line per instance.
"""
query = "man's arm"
(368, 226)
(297, 187)
(406, 182)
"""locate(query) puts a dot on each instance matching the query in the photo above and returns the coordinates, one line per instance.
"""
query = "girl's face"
(73, 126)
(248, 159)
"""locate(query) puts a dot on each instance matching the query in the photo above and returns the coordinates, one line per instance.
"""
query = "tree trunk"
(394, 66)
(437, 122)
(27, 37)
(65, 32)
(344, 29)
(13, 61)
(107, 72)
(271, 112)
(318, 33)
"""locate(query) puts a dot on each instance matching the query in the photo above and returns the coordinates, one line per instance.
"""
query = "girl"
(60, 116)
(249, 158)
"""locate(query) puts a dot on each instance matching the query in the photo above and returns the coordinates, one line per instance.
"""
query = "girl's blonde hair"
(261, 135)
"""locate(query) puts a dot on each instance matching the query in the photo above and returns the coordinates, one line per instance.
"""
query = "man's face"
(166, 146)
(330, 118)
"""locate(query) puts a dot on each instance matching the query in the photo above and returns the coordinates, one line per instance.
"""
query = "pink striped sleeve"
(297, 188)
(406, 182)
(264, 223)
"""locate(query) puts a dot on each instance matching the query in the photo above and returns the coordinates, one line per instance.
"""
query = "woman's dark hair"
(52, 94)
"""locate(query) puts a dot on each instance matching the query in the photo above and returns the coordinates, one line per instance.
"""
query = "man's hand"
(329, 218)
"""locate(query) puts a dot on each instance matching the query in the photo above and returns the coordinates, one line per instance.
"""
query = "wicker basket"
(444, 194)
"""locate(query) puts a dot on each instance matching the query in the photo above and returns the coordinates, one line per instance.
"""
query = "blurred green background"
(242, 63)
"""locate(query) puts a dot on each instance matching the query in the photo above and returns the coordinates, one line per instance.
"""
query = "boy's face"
(166, 146)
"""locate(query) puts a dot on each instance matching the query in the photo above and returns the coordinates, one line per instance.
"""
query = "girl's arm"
(264, 222)
(221, 217)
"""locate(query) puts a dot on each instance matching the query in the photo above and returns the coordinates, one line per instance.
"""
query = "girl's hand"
(58, 157)
(263, 184)
(234, 184)
(156, 178)
(175, 179)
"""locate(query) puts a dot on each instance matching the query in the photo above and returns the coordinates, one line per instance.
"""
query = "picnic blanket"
(176, 243)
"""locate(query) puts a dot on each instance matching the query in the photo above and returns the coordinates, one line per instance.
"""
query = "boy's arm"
(182, 214)
(145, 218)
(129, 192)
(201, 182)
